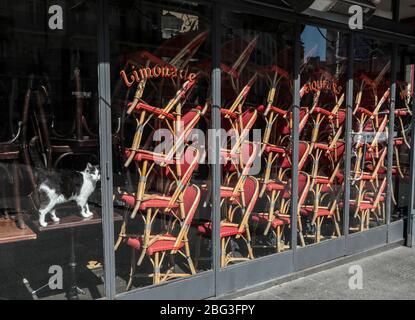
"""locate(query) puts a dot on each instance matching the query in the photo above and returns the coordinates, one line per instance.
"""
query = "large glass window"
(403, 133)
(370, 134)
(322, 127)
(50, 214)
(161, 88)
(257, 90)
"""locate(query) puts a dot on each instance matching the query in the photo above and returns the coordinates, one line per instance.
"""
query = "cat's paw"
(86, 214)
(44, 224)
(55, 219)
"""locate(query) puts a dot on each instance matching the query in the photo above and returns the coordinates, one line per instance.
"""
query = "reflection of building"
(298, 80)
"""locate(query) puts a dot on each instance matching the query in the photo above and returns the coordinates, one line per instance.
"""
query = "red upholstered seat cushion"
(277, 221)
(321, 212)
(153, 110)
(398, 141)
(153, 203)
(271, 148)
(226, 192)
(157, 246)
(226, 112)
(363, 110)
(275, 186)
(322, 146)
(322, 180)
(147, 155)
(324, 111)
(363, 206)
(225, 231)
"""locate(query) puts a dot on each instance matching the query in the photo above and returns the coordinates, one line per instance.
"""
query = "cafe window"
(160, 71)
(50, 215)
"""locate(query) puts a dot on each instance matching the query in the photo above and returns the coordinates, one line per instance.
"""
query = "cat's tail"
(35, 154)
(39, 167)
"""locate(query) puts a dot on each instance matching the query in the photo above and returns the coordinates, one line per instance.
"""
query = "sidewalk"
(388, 275)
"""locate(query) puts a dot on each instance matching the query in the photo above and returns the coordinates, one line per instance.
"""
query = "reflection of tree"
(175, 22)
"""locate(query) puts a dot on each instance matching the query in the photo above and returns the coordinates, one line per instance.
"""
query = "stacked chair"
(369, 166)
(165, 199)
(324, 132)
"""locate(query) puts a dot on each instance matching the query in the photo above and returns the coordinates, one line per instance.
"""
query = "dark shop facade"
(186, 149)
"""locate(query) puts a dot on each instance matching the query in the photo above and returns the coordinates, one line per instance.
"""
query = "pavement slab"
(387, 275)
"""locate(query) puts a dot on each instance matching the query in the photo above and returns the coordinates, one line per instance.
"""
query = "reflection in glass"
(160, 65)
(49, 134)
(403, 134)
(257, 89)
(370, 134)
(322, 126)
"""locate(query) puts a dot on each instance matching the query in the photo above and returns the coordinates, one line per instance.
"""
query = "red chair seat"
(321, 212)
(324, 111)
(147, 155)
(322, 146)
(226, 192)
(271, 148)
(226, 112)
(402, 112)
(398, 141)
(146, 204)
(363, 206)
(282, 112)
(154, 110)
(365, 111)
(369, 198)
(367, 177)
(276, 222)
(321, 180)
(275, 186)
(157, 246)
(225, 231)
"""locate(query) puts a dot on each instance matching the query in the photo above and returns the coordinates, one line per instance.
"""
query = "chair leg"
(278, 234)
(16, 191)
(271, 211)
(121, 234)
(147, 231)
(248, 244)
(156, 276)
(318, 229)
(133, 268)
(336, 225)
(189, 258)
(222, 253)
(362, 221)
(300, 232)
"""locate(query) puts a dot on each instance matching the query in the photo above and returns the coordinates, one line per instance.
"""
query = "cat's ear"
(89, 165)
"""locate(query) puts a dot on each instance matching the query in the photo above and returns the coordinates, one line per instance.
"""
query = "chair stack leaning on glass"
(170, 163)
(370, 148)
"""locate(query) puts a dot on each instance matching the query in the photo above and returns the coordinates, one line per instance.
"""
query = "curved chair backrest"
(303, 188)
(251, 193)
(191, 200)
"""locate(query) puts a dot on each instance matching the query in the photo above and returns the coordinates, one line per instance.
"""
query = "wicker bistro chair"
(153, 203)
(236, 224)
(164, 248)
(281, 218)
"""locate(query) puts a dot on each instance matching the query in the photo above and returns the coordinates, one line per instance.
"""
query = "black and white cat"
(61, 187)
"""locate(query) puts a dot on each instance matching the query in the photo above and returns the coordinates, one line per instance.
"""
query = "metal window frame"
(266, 267)
(105, 139)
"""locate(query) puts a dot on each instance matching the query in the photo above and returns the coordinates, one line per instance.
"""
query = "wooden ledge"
(10, 232)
